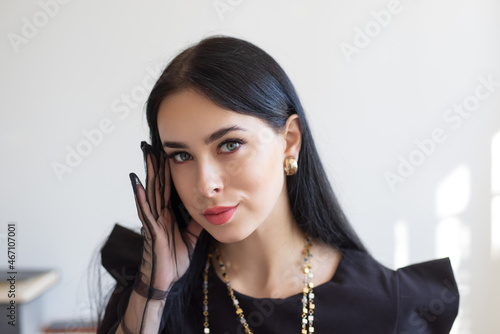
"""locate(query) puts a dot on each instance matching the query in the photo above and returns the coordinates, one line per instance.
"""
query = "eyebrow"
(213, 137)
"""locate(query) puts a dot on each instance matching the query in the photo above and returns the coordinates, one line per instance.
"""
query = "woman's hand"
(166, 254)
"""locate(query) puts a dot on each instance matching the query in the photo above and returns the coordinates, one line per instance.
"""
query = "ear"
(292, 137)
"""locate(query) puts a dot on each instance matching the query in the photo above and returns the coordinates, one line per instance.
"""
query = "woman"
(242, 232)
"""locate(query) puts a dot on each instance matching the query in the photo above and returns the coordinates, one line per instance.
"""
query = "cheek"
(186, 189)
(260, 178)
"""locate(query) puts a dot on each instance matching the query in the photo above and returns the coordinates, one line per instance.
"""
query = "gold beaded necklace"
(307, 293)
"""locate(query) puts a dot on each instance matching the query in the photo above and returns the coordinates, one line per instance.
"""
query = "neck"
(269, 262)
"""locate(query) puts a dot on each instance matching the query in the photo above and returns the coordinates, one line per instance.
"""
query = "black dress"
(363, 296)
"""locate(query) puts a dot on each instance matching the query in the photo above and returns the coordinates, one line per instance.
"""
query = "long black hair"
(239, 76)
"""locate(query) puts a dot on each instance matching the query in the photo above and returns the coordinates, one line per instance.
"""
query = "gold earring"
(290, 166)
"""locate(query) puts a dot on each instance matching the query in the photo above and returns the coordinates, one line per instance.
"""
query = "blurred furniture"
(18, 290)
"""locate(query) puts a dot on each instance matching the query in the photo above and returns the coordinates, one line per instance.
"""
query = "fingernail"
(135, 181)
(146, 149)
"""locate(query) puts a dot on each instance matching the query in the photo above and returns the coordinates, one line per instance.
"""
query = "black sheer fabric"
(362, 297)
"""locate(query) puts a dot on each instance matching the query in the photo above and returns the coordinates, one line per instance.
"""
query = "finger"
(166, 181)
(135, 184)
(154, 201)
(146, 229)
(161, 174)
(144, 149)
(150, 183)
(143, 211)
(148, 166)
(158, 185)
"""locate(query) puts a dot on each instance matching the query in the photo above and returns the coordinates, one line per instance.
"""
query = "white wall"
(76, 70)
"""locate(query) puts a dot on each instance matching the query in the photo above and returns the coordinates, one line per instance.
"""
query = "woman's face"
(219, 157)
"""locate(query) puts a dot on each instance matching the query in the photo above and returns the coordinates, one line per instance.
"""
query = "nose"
(210, 178)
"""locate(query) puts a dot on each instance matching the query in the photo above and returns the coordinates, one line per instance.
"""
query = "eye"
(231, 145)
(183, 156)
(179, 156)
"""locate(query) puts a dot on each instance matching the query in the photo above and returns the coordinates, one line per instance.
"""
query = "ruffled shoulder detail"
(428, 298)
(121, 255)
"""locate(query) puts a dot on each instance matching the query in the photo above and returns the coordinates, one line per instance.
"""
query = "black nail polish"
(135, 181)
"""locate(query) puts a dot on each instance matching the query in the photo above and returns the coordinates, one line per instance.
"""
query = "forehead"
(188, 114)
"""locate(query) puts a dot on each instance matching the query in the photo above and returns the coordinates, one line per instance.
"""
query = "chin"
(228, 235)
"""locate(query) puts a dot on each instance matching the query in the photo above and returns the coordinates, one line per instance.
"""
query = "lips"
(220, 214)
